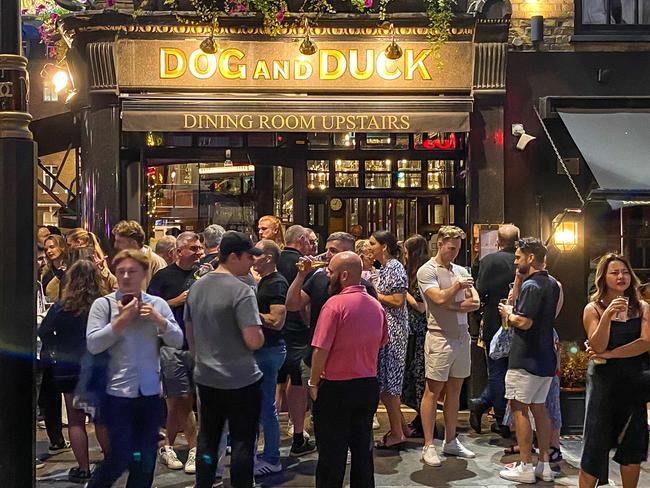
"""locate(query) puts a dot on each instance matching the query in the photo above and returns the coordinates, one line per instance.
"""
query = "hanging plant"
(440, 13)
(48, 13)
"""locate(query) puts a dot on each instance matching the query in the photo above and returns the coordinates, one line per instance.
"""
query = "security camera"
(524, 140)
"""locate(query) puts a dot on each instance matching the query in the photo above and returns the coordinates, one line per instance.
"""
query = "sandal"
(382, 443)
(554, 455)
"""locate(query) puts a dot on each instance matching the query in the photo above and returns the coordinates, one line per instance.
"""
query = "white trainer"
(375, 423)
(455, 448)
(263, 467)
(190, 465)
(544, 472)
(168, 457)
(519, 472)
(430, 456)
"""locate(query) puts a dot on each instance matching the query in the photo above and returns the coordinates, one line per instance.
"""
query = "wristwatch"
(311, 385)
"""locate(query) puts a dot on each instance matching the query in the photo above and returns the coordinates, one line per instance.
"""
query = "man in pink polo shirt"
(350, 330)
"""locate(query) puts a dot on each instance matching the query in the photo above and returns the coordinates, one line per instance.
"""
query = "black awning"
(297, 113)
(615, 143)
(54, 134)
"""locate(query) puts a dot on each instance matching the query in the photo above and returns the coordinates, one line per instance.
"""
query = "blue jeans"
(133, 431)
(270, 360)
(495, 391)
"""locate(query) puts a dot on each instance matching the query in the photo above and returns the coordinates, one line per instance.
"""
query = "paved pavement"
(393, 469)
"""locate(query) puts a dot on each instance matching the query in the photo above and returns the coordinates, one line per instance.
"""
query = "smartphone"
(126, 299)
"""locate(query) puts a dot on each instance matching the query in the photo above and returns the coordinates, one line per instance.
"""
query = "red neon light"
(446, 144)
(498, 137)
(151, 171)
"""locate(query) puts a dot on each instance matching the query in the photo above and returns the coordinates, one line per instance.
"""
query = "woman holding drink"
(617, 324)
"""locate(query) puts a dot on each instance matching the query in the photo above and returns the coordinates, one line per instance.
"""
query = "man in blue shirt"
(129, 325)
(532, 361)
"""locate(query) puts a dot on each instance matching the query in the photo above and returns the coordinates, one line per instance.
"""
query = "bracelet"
(311, 385)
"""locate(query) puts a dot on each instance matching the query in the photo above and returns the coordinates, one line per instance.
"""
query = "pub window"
(345, 140)
(48, 181)
(346, 173)
(221, 140)
(263, 139)
(318, 174)
(612, 17)
(437, 141)
(409, 173)
(378, 173)
(49, 94)
(318, 140)
(385, 140)
(440, 174)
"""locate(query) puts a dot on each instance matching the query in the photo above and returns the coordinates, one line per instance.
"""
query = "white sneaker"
(263, 467)
(455, 448)
(430, 456)
(190, 465)
(168, 457)
(519, 472)
(544, 472)
(375, 423)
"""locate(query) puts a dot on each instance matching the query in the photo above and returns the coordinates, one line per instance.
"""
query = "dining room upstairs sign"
(276, 65)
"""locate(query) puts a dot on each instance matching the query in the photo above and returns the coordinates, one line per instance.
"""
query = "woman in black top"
(63, 333)
(617, 324)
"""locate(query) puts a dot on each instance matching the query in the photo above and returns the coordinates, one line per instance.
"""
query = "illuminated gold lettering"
(417, 64)
(261, 69)
(166, 69)
(231, 121)
(339, 64)
(351, 121)
(354, 64)
(277, 122)
(246, 121)
(392, 122)
(384, 66)
(210, 121)
(280, 70)
(205, 69)
(264, 122)
(292, 122)
(340, 119)
(406, 122)
(302, 69)
(187, 119)
(324, 119)
(224, 65)
(363, 119)
(308, 123)
(372, 124)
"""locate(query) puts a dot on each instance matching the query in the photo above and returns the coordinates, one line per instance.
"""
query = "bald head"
(508, 235)
(347, 267)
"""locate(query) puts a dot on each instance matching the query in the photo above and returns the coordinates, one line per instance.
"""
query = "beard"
(523, 269)
(334, 288)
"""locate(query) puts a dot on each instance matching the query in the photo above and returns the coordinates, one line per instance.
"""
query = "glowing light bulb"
(60, 80)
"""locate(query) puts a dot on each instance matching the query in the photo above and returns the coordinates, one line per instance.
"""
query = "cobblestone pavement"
(393, 469)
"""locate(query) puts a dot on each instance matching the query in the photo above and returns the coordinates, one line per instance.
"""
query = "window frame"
(607, 32)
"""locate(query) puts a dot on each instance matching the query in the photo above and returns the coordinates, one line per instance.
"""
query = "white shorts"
(527, 388)
(445, 358)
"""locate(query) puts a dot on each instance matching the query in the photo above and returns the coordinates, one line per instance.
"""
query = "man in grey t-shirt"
(223, 329)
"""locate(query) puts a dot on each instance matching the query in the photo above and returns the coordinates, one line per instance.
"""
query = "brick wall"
(558, 24)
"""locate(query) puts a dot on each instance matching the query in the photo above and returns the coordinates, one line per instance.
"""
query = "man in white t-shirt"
(449, 294)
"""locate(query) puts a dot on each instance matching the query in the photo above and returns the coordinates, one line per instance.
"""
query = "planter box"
(572, 406)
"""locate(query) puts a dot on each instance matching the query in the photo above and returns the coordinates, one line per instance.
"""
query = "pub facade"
(176, 135)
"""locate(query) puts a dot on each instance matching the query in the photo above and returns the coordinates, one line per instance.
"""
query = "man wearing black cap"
(223, 329)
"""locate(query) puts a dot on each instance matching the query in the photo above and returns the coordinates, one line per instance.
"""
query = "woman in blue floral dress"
(392, 285)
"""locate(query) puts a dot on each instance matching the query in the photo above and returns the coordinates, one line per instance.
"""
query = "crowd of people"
(229, 332)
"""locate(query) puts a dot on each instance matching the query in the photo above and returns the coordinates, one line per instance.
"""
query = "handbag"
(501, 342)
(90, 393)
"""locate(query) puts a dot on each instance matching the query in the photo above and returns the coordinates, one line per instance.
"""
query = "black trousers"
(343, 414)
(241, 408)
(49, 400)
(133, 431)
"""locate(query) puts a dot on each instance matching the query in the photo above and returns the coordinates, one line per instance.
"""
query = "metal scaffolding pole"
(17, 271)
